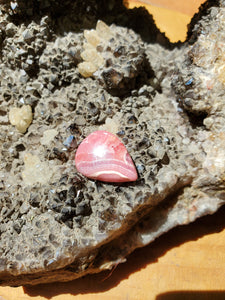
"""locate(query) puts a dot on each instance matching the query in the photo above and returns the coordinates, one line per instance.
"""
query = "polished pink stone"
(104, 157)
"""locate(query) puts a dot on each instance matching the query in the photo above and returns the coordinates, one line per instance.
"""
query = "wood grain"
(186, 263)
(186, 7)
(171, 17)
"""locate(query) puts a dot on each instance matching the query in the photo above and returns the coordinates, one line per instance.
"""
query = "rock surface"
(166, 105)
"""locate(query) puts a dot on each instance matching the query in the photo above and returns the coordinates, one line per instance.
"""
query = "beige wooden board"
(171, 16)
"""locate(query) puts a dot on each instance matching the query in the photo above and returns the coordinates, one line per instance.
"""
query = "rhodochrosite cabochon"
(104, 157)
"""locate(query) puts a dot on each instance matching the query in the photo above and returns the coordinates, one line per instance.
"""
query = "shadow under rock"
(138, 260)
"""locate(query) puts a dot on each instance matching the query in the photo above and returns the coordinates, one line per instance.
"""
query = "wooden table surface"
(186, 263)
(171, 16)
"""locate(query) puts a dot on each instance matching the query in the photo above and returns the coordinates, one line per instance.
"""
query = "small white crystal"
(92, 37)
(21, 117)
(86, 68)
(48, 136)
(93, 56)
(36, 171)
(88, 46)
(103, 30)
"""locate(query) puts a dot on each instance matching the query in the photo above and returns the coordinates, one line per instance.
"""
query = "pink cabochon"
(104, 157)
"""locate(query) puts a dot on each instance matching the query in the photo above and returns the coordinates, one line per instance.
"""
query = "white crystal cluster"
(112, 124)
(35, 170)
(48, 136)
(93, 59)
(21, 117)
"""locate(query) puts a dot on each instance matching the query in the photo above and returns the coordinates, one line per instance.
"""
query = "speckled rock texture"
(164, 102)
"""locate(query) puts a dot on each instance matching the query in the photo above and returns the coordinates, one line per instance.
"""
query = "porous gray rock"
(57, 225)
